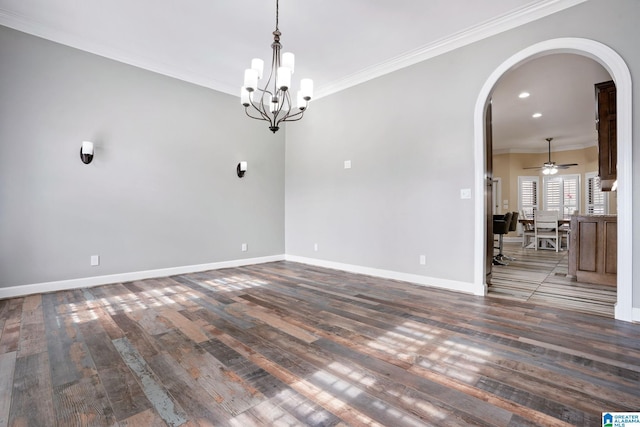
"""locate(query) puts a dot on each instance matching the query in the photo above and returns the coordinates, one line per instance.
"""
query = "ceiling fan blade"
(549, 163)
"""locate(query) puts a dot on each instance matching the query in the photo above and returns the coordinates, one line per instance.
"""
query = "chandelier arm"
(273, 73)
(262, 117)
(284, 99)
(294, 117)
(259, 107)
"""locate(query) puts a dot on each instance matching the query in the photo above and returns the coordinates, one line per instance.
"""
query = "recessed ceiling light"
(524, 95)
(536, 115)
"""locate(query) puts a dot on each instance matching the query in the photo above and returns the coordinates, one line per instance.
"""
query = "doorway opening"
(619, 71)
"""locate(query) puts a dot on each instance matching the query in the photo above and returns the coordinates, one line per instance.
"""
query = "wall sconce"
(241, 169)
(86, 152)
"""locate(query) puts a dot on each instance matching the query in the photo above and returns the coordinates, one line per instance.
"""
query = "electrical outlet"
(347, 164)
(244, 247)
(423, 260)
(465, 193)
(315, 247)
(95, 260)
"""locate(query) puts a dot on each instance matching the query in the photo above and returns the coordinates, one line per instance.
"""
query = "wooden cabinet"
(593, 250)
(606, 125)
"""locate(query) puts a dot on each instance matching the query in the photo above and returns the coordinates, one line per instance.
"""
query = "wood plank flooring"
(540, 277)
(285, 344)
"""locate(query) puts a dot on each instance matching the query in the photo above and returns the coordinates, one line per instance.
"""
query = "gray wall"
(162, 189)
(411, 155)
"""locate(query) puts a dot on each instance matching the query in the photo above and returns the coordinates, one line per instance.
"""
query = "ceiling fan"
(549, 167)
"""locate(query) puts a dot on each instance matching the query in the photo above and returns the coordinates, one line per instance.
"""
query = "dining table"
(563, 226)
(527, 221)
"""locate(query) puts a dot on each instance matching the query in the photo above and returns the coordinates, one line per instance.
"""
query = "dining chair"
(513, 226)
(565, 229)
(501, 225)
(545, 226)
(527, 230)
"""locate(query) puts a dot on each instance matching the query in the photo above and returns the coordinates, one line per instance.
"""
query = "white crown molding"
(85, 282)
(521, 16)
(525, 150)
(473, 34)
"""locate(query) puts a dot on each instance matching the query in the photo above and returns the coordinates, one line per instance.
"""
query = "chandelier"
(272, 102)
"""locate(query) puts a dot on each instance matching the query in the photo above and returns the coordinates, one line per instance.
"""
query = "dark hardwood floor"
(285, 344)
(540, 277)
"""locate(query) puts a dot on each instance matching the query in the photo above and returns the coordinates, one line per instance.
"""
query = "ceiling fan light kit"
(549, 167)
(273, 102)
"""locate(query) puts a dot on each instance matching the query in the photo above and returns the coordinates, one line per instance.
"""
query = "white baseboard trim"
(452, 285)
(86, 282)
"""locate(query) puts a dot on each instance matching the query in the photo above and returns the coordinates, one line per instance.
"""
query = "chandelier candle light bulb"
(245, 96)
(250, 79)
(284, 78)
(306, 87)
(300, 102)
(288, 60)
(258, 65)
(273, 103)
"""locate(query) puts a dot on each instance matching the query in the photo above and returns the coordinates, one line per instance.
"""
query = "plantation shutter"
(528, 195)
(597, 200)
(552, 194)
(561, 193)
(570, 195)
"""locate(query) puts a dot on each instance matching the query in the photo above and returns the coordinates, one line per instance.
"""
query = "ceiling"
(561, 88)
(337, 43)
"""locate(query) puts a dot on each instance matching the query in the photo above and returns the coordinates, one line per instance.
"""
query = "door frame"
(619, 71)
(497, 192)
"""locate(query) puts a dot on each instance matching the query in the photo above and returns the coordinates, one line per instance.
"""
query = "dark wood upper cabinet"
(607, 141)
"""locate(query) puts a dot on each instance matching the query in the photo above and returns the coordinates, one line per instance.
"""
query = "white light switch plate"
(465, 193)
(95, 260)
(347, 164)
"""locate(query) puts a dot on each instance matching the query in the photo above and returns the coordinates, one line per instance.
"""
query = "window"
(597, 201)
(528, 195)
(562, 194)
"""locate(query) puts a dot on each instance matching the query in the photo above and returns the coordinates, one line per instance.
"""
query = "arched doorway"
(619, 71)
